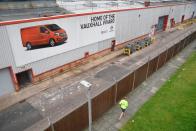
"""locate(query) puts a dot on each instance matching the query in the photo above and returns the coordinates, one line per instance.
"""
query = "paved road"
(109, 121)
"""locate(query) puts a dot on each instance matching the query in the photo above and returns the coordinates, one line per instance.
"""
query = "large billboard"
(34, 41)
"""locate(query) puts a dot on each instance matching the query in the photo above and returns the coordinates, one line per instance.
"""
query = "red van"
(50, 34)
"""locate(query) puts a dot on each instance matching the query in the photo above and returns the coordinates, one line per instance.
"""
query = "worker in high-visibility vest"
(123, 105)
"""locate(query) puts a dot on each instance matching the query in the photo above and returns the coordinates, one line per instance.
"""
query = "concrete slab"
(19, 117)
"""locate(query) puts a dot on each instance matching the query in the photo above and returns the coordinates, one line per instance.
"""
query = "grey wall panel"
(6, 85)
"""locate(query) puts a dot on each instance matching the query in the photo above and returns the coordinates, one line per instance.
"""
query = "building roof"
(17, 14)
(76, 7)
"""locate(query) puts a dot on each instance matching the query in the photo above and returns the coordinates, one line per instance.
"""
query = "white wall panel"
(61, 59)
(128, 26)
(6, 56)
(81, 31)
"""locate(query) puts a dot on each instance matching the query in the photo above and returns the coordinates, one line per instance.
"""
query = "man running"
(123, 105)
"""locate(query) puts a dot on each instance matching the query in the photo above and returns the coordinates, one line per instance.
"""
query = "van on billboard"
(50, 34)
(37, 40)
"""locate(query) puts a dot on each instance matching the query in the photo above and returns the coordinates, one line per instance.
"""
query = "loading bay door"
(162, 23)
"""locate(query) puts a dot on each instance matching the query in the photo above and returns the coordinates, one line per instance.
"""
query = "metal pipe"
(88, 85)
(115, 97)
(89, 108)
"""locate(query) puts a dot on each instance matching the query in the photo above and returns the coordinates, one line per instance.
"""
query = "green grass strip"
(173, 107)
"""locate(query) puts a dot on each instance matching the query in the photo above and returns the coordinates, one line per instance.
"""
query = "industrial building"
(51, 50)
(33, 49)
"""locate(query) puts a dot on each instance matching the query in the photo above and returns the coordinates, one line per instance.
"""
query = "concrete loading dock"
(64, 103)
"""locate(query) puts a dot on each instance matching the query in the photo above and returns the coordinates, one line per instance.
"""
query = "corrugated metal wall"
(139, 22)
(6, 56)
(58, 60)
(129, 25)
